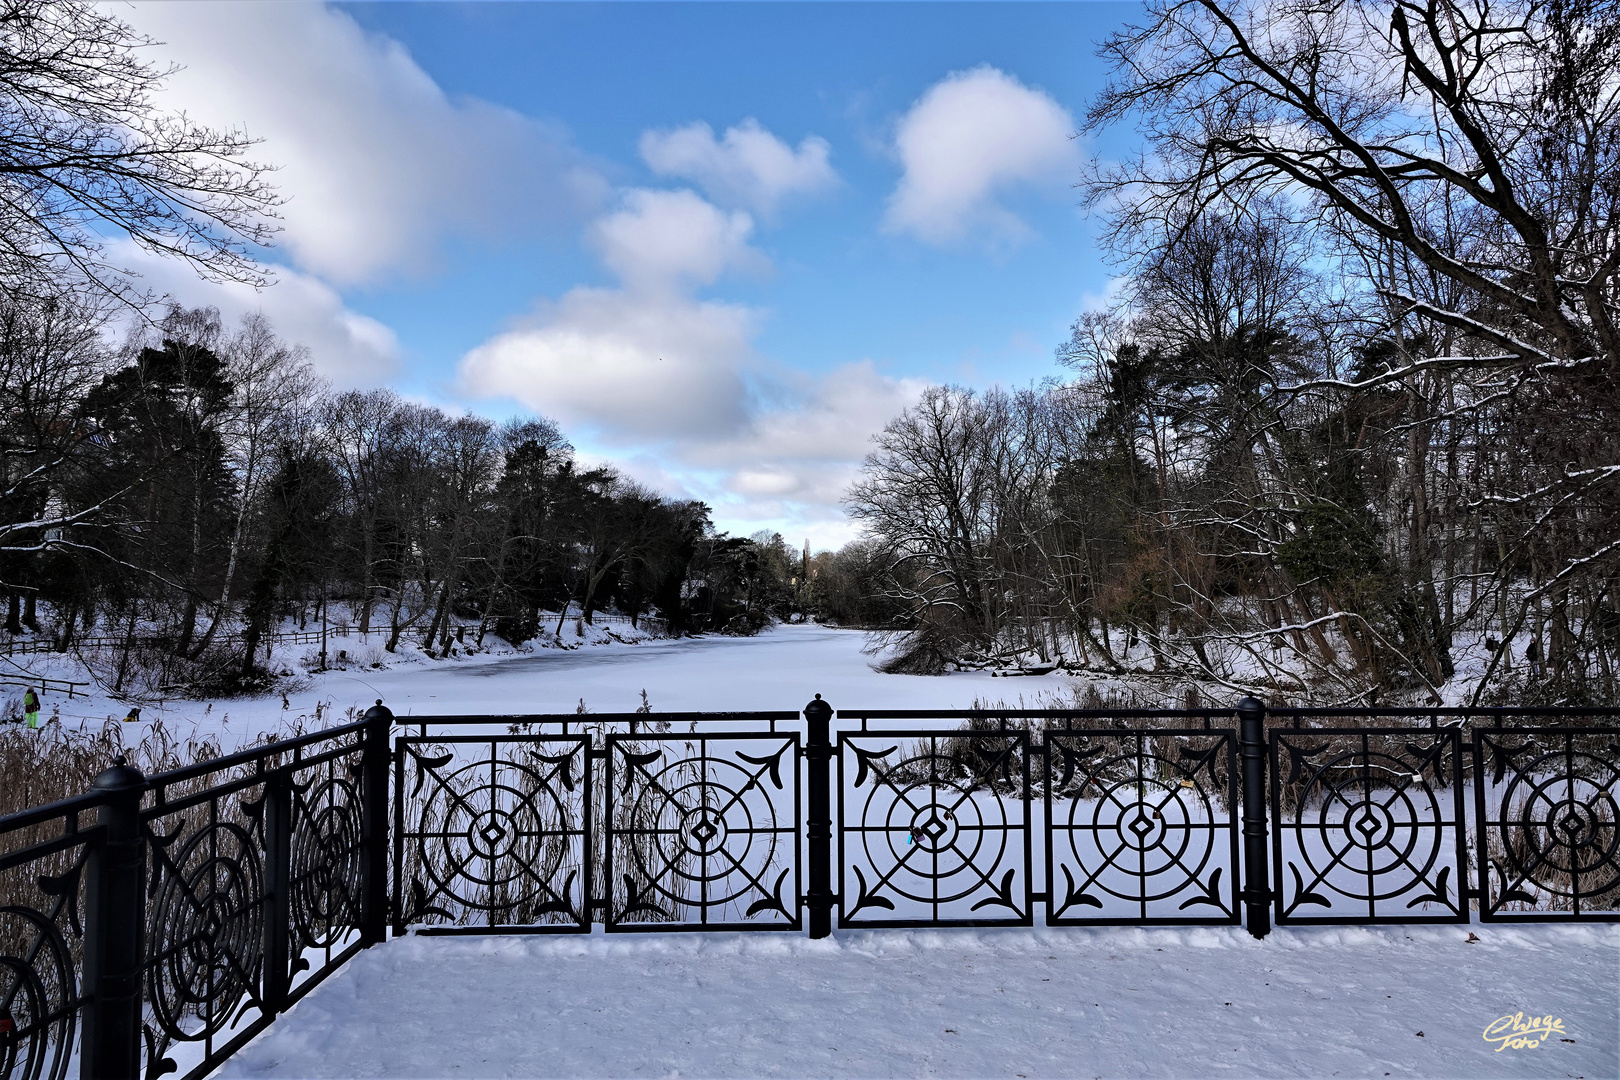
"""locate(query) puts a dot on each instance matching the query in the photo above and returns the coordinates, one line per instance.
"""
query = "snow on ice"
(780, 669)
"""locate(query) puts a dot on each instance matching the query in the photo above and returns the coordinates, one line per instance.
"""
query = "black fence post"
(278, 812)
(1256, 864)
(818, 822)
(374, 794)
(114, 918)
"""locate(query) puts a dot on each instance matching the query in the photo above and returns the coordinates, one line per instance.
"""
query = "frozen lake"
(780, 669)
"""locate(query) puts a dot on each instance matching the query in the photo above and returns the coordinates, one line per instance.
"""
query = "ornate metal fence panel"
(1367, 825)
(41, 937)
(253, 893)
(702, 832)
(1142, 827)
(1547, 808)
(934, 828)
(492, 832)
(206, 913)
(326, 848)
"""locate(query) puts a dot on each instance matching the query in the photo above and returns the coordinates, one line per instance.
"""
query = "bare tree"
(1461, 165)
(274, 396)
(51, 355)
(928, 494)
(465, 459)
(359, 423)
(86, 153)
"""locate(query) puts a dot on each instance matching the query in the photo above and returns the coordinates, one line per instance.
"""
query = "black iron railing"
(928, 818)
(155, 924)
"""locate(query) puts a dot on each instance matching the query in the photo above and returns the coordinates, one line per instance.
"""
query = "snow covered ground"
(1399, 1002)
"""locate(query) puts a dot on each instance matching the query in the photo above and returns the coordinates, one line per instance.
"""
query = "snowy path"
(1013, 1003)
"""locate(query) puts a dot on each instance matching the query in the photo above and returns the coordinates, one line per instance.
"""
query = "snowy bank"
(308, 695)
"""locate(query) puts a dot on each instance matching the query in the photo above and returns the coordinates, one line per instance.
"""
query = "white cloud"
(794, 462)
(350, 349)
(673, 240)
(629, 365)
(748, 166)
(788, 467)
(647, 361)
(677, 385)
(791, 464)
(652, 369)
(968, 140)
(826, 418)
(1110, 296)
(379, 166)
(669, 385)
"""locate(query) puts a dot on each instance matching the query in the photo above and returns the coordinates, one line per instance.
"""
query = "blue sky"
(720, 243)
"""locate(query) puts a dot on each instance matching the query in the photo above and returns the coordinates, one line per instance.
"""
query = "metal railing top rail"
(1312, 711)
(73, 834)
(69, 810)
(1448, 710)
(164, 805)
(789, 714)
(44, 848)
(253, 754)
(778, 716)
(35, 815)
(1023, 714)
(1449, 715)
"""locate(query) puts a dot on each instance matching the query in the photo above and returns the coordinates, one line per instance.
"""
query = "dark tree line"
(1352, 429)
(186, 491)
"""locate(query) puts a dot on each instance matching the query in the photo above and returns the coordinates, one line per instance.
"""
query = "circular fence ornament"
(326, 863)
(1369, 825)
(701, 831)
(1146, 831)
(1562, 831)
(1139, 826)
(38, 992)
(1376, 841)
(495, 836)
(934, 827)
(207, 929)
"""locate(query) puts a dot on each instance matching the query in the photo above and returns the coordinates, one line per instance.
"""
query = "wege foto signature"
(1520, 1032)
